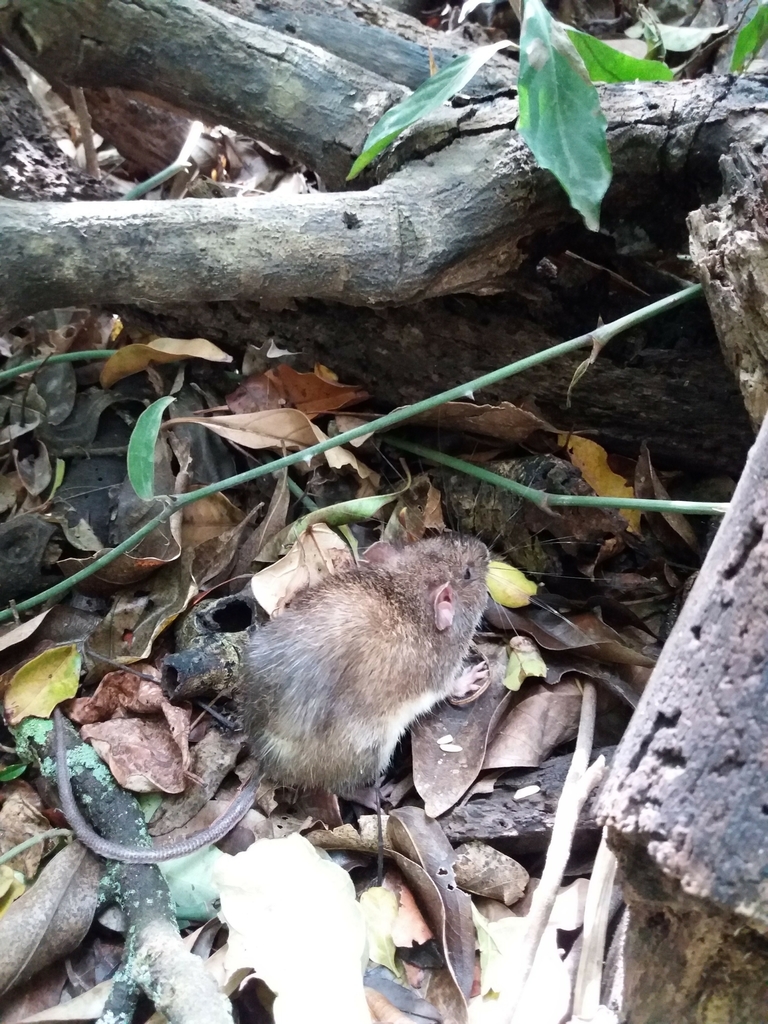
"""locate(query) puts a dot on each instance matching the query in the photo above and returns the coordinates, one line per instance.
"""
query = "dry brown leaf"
(505, 422)
(52, 917)
(318, 552)
(487, 872)
(140, 752)
(283, 430)
(21, 817)
(311, 393)
(136, 357)
(543, 718)
(208, 518)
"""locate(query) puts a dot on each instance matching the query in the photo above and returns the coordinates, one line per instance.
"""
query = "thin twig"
(579, 782)
(597, 910)
(86, 131)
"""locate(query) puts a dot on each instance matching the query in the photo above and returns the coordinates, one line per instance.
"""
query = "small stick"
(86, 131)
(579, 782)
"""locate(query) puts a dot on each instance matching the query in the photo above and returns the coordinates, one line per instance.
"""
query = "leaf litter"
(440, 929)
(540, 642)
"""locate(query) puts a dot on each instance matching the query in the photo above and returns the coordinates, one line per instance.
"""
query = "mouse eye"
(467, 573)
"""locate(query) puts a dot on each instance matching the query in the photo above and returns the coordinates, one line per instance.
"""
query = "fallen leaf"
(508, 586)
(409, 929)
(311, 393)
(140, 752)
(11, 887)
(42, 683)
(504, 422)
(15, 634)
(380, 907)
(670, 527)
(136, 357)
(52, 917)
(293, 918)
(542, 718)
(524, 660)
(208, 518)
(592, 460)
(488, 872)
(283, 430)
(21, 818)
(318, 552)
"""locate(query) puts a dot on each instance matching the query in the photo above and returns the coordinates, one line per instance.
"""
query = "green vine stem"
(52, 833)
(67, 357)
(597, 338)
(690, 508)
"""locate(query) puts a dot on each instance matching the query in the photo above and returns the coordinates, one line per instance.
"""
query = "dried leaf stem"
(586, 997)
(599, 337)
(579, 782)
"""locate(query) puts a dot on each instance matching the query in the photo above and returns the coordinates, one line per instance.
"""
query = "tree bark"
(685, 802)
(729, 244)
(458, 220)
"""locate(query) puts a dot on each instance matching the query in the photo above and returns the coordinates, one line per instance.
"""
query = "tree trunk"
(686, 801)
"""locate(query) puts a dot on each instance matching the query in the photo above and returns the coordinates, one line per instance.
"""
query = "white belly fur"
(406, 715)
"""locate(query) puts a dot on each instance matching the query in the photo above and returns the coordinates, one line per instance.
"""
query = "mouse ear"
(444, 604)
(381, 553)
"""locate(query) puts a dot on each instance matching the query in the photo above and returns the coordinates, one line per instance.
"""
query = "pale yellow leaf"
(42, 683)
(508, 586)
(380, 909)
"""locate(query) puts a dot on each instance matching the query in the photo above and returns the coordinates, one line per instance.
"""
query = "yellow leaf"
(136, 357)
(592, 461)
(11, 887)
(379, 907)
(524, 661)
(508, 586)
(42, 683)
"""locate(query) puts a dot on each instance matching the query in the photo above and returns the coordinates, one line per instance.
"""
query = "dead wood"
(729, 244)
(685, 802)
(523, 827)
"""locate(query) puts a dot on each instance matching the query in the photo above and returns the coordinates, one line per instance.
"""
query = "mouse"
(330, 685)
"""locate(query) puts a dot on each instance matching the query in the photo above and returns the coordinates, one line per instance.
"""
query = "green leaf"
(430, 94)
(141, 448)
(560, 115)
(37, 687)
(606, 64)
(679, 38)
(12, 771)
(356, 510)
(751, 39)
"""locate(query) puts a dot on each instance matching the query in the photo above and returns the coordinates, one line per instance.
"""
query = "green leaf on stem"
(606, 64)
(430, 94)
(751, 39)
(141, 448)
(560, 115)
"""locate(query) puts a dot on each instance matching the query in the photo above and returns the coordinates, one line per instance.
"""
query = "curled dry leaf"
(141, 753)
(487, 872)
(283, 430)
(136, 357)
(310, 393)
(21, 817)
(52, 918)
(504, 422)
(409, 929)
(318, 552)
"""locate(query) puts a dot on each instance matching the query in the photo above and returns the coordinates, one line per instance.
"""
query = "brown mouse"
(331, 685)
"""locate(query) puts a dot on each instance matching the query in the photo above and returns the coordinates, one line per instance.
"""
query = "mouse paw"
(472, 679)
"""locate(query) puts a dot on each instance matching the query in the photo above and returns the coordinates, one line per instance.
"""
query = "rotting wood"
(729, 245)
(685, 801)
